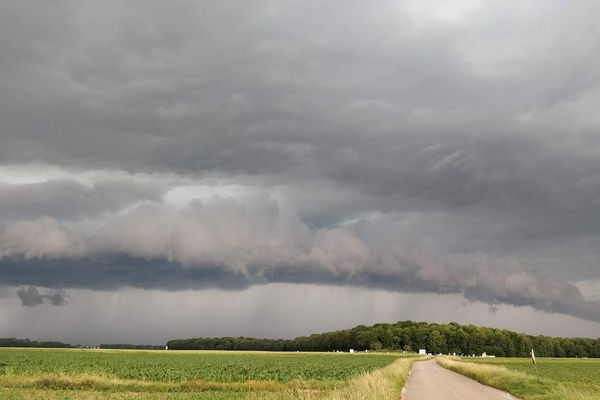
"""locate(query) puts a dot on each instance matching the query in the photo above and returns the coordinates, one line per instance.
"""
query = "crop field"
(559, 378)
(119, 374)
(565, 370)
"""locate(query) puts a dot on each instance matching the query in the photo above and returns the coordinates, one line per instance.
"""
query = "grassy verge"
(382, 384)
(521, 384)
(101, 383)
(28, 394)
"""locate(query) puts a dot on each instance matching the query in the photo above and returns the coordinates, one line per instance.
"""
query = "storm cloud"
(408, 146)
(234, 244)
(31, 297)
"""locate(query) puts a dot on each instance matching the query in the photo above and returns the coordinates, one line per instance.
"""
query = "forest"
(13, 342)
(410, 336)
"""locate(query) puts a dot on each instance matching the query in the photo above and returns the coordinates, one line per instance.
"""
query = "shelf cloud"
(238, 243)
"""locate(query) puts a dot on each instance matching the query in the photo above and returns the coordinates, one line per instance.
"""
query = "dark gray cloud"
(31, 297)
(351, 96)
(482, 280)
(281, 85)
(408, 145)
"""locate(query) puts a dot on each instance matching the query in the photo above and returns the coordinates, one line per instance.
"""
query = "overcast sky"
(276, 168)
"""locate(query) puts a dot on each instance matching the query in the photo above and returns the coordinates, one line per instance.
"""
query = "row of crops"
(179, 366)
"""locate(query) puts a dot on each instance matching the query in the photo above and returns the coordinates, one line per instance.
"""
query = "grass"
(21, 394)
(381, 384)
(574, 370)
(559, 379)
(124, 374)
(163, 366)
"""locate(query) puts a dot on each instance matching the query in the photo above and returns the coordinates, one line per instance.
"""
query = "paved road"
(429, 381)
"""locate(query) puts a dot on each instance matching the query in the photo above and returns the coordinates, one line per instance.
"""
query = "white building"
(422, 352)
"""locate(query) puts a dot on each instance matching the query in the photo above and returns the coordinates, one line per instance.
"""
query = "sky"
(278, 168)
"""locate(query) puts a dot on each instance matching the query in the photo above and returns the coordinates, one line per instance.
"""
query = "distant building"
(422, 352)
(351, 350)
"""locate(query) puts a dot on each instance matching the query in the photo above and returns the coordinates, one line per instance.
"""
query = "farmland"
(74, 373)
(566, 370)
(559, 378)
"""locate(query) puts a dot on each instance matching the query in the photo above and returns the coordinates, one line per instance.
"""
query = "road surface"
(429, 381)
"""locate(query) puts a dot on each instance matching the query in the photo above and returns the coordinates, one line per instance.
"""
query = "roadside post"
(535, 364)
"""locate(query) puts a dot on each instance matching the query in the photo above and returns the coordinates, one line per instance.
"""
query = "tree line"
(410, 336)
(13, 342)
(126, 346)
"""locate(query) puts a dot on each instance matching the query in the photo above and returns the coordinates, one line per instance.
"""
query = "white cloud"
(40, 238)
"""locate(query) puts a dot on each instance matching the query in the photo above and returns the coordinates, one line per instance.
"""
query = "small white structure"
(166, 347)
(422, 352)
(351, 350)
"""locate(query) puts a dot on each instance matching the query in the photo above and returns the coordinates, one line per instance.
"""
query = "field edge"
(517, 383)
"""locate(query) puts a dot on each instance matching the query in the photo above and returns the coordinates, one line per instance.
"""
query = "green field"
(559, 378)
(74, 374)
(565, 370)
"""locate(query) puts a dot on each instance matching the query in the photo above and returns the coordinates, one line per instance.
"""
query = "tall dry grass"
(106, 383)
(525, 386)
(382, 384)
